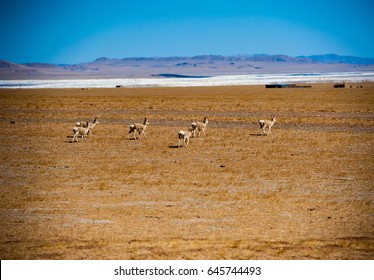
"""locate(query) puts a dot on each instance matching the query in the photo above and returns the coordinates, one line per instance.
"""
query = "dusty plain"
(304, 192)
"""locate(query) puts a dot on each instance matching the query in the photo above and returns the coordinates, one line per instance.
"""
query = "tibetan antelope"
(199, 126)
(267, 124)
(138, 127)
(185, 136)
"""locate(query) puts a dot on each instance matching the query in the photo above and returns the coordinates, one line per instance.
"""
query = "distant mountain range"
(333, 58)
(202, 65)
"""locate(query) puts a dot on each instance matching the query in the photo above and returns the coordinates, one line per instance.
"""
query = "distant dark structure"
(339, 85)
(280, 86)
(285, 86)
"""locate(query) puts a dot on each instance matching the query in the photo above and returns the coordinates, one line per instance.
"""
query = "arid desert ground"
(304, 192)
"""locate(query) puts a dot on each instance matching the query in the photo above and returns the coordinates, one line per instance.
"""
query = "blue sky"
(74, 31)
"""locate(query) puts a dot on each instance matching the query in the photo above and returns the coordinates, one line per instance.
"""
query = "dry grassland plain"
(304, 192)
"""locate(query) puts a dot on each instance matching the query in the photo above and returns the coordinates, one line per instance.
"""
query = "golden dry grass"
(305, 192)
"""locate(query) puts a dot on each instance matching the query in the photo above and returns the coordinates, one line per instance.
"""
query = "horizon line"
(183, 56)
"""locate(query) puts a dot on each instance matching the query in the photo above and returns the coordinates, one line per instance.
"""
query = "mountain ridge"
(183, 65)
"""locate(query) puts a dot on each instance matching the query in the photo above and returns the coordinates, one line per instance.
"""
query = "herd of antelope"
(84, 129)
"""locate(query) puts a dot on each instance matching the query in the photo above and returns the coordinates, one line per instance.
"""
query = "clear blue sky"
(74, 31)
